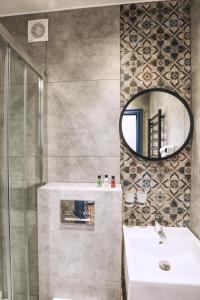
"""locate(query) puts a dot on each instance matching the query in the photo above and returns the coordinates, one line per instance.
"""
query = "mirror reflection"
(155, 124)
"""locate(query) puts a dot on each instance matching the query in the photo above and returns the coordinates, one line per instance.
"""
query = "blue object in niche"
(79, 209)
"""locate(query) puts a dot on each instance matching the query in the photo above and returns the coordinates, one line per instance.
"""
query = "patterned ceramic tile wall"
(155, 52)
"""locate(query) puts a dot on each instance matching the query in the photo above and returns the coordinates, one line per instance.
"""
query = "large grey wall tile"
(17, 168)
(84, 45)
(83, 60)
(33, 174)
(24, 297)
(195, 203)
(82, 169)
(19, 296)
(83, 118)
(16, 131)
(19, 265)
(33, 261)
(17, 204)
(195, 28)
(90, 23)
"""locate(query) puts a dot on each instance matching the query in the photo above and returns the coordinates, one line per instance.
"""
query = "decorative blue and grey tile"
(155, 52)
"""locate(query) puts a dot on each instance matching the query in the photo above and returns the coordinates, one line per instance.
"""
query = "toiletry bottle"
(113, 182)
(99, 182)
(106, 182)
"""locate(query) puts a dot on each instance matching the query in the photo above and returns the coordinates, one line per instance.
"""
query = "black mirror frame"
(175, 94)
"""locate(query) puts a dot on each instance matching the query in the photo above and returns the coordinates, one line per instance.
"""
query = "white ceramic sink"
(145, 280)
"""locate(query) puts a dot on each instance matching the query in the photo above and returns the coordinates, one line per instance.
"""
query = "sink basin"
(146, 280)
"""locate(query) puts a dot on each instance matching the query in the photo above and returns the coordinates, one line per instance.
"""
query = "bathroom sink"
(144, 257)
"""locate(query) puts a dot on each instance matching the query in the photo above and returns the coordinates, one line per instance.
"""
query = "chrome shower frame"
(12, 45)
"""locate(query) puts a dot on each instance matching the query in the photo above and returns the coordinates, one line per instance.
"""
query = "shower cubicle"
(21, 102)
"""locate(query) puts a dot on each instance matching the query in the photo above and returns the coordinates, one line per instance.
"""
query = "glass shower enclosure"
(21, 102)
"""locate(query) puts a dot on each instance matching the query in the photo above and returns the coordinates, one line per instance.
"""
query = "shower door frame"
(11, 45)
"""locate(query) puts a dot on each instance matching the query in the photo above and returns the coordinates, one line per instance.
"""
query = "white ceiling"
(17, 7)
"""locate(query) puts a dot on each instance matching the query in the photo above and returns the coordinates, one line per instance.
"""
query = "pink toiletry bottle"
(113, 182)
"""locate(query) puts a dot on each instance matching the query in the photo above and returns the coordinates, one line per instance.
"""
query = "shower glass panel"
(25, 176)
(3, 260)
(21, 101)
(18, 176)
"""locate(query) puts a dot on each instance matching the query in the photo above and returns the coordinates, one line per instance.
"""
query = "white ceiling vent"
(38, 30)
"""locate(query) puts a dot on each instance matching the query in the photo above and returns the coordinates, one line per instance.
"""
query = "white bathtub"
(145, 280)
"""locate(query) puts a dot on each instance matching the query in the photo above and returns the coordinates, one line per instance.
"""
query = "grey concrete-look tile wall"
(195, 202)
(82, 60)
(76, 169)
(83, 138)
(83, 45)
(83, 89)
(83, 118)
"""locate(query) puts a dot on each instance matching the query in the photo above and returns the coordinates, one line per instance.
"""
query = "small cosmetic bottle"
(106, 182)
(99, 182)
(113, 182)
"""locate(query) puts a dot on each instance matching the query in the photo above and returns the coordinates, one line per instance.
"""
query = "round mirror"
(156, 124)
